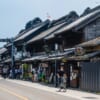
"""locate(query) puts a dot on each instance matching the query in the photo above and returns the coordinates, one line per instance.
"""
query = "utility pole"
(56, 50)
(12, 57)
(11, 40)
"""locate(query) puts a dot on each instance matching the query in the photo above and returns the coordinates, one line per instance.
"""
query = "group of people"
(5, 72)
(39, 75)
(10, 73)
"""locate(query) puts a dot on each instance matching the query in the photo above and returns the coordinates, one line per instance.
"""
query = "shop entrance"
(74, 74)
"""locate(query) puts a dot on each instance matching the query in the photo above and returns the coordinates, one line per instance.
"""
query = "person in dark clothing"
(62, 79)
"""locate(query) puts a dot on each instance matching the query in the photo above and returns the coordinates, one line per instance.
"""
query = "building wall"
(71, 39)
(90, 76)
(92, 30)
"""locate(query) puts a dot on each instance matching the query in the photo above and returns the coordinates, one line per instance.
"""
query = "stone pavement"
(81, 95)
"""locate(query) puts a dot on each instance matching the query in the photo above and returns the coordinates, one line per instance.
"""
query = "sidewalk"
(70, 93)
(0, 78)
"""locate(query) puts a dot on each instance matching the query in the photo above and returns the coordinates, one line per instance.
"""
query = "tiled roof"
(27, 33)
(49, 37)
(2, 50)
(76, 23)
(45, 33)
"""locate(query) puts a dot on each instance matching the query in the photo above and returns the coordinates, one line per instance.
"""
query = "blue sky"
(15, 13)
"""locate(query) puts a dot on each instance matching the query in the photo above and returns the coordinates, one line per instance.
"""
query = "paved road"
(12, 91)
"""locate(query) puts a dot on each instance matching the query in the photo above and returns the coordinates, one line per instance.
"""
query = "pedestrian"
(10, 73)
(5, 70)
(62, 77)
(35, 76)
(63, 83)
(16, 73)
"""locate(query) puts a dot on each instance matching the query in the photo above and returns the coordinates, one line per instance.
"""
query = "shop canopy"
(87, 56)
(54, 56)
(66, 53)
(9, 60)
(91, 43)
(41, 58)
(33, 58)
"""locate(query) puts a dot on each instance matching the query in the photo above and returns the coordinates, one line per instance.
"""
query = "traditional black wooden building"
(66, 40)
(85, 28)
(39, 42)
(38, 47)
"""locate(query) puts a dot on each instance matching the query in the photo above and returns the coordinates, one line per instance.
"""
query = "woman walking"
(63, 83)
(62, 78)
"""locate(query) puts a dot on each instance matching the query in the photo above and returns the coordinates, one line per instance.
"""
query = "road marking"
(13, 93)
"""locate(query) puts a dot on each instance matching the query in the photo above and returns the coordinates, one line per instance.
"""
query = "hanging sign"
(79, 51)
(64, 60)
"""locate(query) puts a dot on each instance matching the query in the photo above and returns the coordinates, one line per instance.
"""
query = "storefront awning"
(91, 43)
(33, 58)
(42, 58)
(84, 57)
(65, 53)
(9, 60)
(54, 58)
